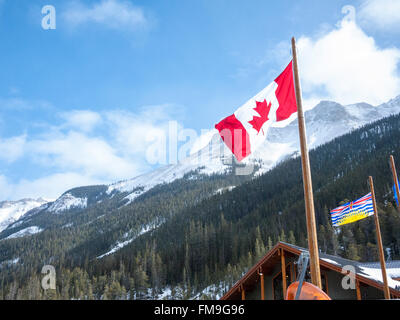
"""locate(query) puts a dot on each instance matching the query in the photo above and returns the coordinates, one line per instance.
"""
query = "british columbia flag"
(353, 211)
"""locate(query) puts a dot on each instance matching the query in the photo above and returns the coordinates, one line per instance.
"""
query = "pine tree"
(106, 293)
(259, 249)
(322, 239)
(291, 239)
(352, 252)
(282, 236)
(270, 245)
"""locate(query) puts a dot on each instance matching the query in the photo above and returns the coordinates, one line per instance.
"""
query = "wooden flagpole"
(308, 192)
(379, 240)
(396, 182)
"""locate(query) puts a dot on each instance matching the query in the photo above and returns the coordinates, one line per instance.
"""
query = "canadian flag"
(247, 128)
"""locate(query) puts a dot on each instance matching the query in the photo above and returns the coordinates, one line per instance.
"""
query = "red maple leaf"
(263, 109)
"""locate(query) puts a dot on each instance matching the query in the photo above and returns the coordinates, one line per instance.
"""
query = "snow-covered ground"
(213, 292)
(226, 189)
(68, 225)
(117, 246)
(25, 232)
(9, 263)
(11, 211)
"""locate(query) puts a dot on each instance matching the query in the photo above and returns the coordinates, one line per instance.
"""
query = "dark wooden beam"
(260, 272)
(358, 290)
(283, 264)
(243, 293)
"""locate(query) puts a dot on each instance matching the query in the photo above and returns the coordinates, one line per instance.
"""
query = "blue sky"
(76, 102)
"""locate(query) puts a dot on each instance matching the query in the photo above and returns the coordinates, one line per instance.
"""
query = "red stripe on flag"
(235, 136)
(285, 94)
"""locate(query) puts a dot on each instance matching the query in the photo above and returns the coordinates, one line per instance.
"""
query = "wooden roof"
(272, 257)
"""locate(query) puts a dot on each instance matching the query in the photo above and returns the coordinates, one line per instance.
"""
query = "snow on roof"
(376, 274)
(330, 261)
(371, 270)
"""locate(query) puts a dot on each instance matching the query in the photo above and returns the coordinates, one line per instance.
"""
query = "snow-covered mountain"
(11, 211)
(324, 122)
(215, 158)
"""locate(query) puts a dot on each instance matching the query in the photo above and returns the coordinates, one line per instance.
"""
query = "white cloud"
(72, 154)
(84, 120)
(114, 14)
(133, 132)
(12, 148)
(341, 63)
(93, 156)
(347, 66)
(19, 104)
(50, 187)
(381, 14)
(203, 140)
(5, 188)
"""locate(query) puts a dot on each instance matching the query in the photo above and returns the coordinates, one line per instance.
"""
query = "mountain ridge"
(326, 121)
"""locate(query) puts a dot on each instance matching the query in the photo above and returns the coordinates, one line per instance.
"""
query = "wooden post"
(308, 192)
(396, 181)
(262, 284)
(358, 290)
(283, 264)
(243, 293)
(379, 240)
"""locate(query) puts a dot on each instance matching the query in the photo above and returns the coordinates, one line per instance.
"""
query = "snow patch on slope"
(9, 263)
(67, 201)
(25, 232)
(120, 244)
(225, 189)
